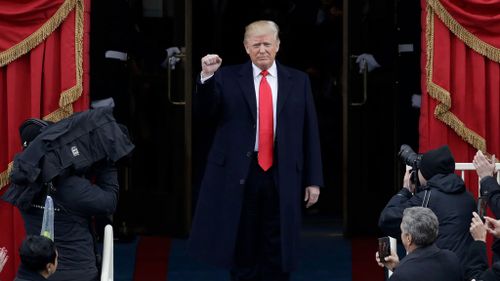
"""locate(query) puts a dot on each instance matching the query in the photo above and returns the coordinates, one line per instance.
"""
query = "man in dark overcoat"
(424, 260)
(264, 161)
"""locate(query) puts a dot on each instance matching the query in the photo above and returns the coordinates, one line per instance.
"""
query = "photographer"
(77, 197)
(424, 261)
(441, 190)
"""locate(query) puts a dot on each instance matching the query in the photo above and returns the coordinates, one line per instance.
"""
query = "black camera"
(412, 159)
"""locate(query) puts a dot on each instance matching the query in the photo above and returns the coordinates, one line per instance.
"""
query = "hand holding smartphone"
(384, 248)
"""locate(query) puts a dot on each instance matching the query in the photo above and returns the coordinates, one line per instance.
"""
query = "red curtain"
(461, 79)
(43, 74)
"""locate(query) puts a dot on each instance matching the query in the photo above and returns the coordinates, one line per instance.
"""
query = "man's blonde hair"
(261, 27)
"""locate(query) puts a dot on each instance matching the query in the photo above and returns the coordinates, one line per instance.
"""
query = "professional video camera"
(412, 159)
(71, 146)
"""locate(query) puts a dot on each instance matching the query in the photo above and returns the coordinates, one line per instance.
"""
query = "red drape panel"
(26, 16)
(479, 17)
(461, 79)
(44, 74)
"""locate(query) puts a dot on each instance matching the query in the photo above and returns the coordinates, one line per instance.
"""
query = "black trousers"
(258, 246)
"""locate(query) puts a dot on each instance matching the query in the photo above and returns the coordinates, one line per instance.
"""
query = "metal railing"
(463, 167)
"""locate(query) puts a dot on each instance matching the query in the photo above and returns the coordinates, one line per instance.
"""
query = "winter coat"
(229, 97)
(430, 264)
(491, 190)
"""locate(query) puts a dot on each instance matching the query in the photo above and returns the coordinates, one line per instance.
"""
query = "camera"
(410, 158)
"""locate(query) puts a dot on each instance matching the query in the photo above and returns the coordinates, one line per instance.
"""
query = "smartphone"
(384, 248)
(481, 207)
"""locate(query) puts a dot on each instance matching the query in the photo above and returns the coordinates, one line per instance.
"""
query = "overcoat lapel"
(247, 86)
(245, 80)
(284, 87)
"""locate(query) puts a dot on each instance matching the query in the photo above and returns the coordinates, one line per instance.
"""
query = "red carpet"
(152, 258)
(364, 267)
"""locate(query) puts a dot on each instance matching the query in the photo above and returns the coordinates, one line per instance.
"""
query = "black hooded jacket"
(449, 200)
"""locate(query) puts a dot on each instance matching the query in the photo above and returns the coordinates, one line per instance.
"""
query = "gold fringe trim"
(38, 36)
(59, 114)
(68, 97)
(4, 176)
(71, 95)
(463, 34)
(459, 127)
(429, 35)
(442, 111)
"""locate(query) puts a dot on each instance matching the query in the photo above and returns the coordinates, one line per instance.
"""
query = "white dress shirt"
(272, 79)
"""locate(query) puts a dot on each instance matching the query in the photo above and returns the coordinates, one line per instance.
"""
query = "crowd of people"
(438, 225)
(441, 227)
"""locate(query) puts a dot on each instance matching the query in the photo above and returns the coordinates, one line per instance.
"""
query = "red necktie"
(266, 128)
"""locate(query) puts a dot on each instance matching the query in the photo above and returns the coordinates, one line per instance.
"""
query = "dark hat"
(30, 129)
(437, 161)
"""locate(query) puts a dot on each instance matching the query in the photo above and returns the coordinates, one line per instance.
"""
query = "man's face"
(262, 49)
(405, 239)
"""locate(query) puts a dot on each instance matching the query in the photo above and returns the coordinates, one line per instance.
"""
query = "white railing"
(107, 255)
(462, 167)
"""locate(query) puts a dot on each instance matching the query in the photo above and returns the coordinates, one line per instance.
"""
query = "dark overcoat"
(230, 97)
(428, 263)
(477, 265)
(491, 190)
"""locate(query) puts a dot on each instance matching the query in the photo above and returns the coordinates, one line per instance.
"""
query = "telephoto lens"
(409, 156)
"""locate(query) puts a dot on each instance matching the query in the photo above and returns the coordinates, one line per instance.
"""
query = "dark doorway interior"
(359, 142)
(152, 196)
(378, 105)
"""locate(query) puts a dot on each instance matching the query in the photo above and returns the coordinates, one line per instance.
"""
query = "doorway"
(311, 40)
(130, 63)
(380, 111)
(363, 119)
